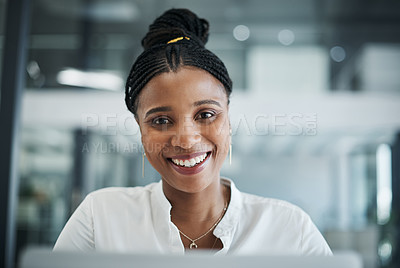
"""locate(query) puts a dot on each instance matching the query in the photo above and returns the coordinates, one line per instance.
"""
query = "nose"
(186, 135)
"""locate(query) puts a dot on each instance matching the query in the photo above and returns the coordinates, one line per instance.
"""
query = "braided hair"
(175, 39)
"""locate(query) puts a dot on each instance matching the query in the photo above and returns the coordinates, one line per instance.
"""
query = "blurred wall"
(316, 93)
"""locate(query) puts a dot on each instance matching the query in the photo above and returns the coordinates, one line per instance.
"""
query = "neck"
(204, 206)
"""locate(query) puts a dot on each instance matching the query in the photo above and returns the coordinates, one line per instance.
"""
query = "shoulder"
(284, 223)
(120, 195)
(125, 191)
(271, 207)
(289, 227)
(254, 205)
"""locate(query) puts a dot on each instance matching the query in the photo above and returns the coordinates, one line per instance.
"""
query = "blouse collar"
(167, 231)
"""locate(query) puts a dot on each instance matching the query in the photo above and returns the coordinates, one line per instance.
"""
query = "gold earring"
(143, 156)
(230, 146)
(230, 154)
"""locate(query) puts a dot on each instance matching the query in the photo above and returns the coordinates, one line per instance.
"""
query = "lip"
(190, 170)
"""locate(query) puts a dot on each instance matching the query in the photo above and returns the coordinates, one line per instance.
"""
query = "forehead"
(184, 87)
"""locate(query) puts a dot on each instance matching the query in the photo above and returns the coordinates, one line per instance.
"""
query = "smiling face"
(183, 119)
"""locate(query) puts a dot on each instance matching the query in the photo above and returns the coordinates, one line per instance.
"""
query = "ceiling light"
(286, 37)
(338, 53)
(103, 79)
(241, 33)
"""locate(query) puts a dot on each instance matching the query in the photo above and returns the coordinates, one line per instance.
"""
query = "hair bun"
(176, 23)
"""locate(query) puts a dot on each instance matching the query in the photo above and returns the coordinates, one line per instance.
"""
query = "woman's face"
(183, 119)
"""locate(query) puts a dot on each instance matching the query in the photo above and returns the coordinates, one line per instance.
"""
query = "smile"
(189, 162)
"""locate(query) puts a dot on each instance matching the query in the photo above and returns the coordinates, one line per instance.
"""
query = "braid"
(160, 57)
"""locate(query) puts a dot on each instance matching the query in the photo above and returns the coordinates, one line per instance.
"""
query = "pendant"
(193, 245)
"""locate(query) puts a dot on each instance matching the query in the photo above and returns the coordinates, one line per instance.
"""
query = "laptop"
(45, 258)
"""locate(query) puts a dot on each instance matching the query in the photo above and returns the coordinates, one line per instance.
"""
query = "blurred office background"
(315, 110)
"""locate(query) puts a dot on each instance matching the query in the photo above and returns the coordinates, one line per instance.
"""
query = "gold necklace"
(193, 244)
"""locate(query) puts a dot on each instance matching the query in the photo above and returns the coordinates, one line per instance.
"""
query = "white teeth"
(190, 162)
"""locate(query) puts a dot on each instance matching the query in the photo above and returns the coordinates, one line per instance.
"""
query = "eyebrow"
(168, 108)
(199, 103)
(158, 109)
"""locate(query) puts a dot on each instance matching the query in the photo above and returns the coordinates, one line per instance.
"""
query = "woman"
(179, 94)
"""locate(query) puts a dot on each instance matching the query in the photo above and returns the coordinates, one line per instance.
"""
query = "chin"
(189, 184)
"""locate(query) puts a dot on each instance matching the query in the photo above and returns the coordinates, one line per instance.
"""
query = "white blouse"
(137, 220)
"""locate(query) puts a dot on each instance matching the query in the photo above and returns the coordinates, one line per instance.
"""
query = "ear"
(138, 122)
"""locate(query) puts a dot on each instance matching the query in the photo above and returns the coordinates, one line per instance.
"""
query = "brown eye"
(161, 121)
(205, 115)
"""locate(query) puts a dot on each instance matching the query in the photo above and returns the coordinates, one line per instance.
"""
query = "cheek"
(220, 134)
(153, 144)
